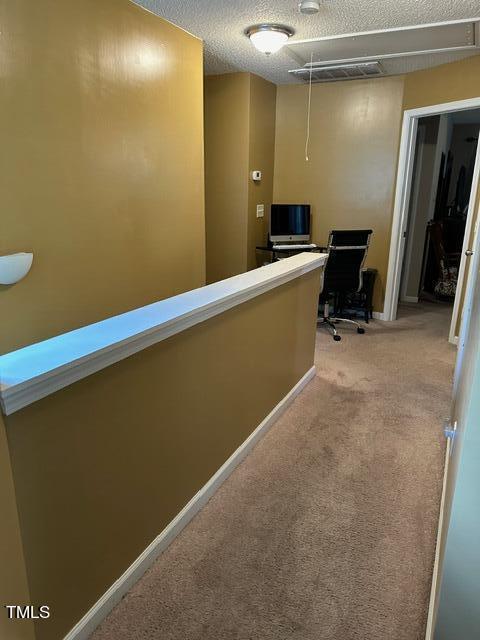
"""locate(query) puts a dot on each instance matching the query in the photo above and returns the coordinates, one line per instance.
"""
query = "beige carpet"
(327, 530)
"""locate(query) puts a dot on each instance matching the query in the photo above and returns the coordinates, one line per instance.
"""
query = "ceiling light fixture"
(309, 7)
(268, 38)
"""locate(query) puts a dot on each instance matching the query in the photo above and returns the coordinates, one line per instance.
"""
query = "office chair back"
(347, 251)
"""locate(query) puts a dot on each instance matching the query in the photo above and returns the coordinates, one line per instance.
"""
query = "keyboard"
(294, 247)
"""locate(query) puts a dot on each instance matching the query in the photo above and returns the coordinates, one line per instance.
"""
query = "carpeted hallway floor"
(327, 530)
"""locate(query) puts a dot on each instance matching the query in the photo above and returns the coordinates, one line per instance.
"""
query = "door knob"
(469, 252)
(449, 428)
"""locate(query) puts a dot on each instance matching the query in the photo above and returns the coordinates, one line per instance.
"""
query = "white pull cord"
(307, 141)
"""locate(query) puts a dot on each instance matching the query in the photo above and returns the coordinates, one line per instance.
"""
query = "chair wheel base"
(337, 338)
(360, 330)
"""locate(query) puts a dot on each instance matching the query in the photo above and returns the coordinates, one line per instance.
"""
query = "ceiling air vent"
(332, 73)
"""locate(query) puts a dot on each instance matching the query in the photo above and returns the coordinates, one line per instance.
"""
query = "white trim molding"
(36, 371)
(445, 23)
(378, 315)
(435, 588)
(402, 195)
(409, 298)
(90, 621)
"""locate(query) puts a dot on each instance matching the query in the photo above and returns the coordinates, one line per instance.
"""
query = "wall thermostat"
(256, 176)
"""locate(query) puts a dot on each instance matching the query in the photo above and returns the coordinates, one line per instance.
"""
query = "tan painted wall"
(263, 96)
(354, 147)
(101, 171)
(13, 578)
(239, 137)
(102, 466)
(226, 173)
(354, 141)
(445, 83)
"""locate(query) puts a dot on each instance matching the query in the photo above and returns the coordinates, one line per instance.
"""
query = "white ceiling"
(221, 23)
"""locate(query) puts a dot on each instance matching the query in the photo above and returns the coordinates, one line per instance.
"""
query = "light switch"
(260, 210)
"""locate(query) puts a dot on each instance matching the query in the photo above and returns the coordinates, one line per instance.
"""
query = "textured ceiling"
(221, 23)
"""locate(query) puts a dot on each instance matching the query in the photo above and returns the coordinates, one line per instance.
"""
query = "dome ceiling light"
(269, 38)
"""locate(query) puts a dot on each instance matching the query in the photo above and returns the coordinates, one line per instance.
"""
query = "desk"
(285, 253)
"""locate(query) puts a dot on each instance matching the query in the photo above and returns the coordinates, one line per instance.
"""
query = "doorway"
(433, 224)
(444, 161)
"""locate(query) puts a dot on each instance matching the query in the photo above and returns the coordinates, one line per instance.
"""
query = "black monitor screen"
(290, 220)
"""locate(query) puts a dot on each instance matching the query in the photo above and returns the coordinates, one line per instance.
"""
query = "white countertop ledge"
(40, 369)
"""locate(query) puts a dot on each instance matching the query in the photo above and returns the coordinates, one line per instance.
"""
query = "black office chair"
(342, 276)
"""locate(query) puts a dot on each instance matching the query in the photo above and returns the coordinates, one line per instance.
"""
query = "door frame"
(413, 211)
(402, 200)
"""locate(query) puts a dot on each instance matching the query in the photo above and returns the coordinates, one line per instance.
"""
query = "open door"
(467, 360)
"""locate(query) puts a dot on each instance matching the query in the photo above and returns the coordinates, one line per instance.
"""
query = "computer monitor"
(289, 222)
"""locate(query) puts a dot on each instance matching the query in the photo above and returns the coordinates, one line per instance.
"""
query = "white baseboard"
(377, 315)
(454, 340)
(90, 621)
(436, 565)
(409, 299)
